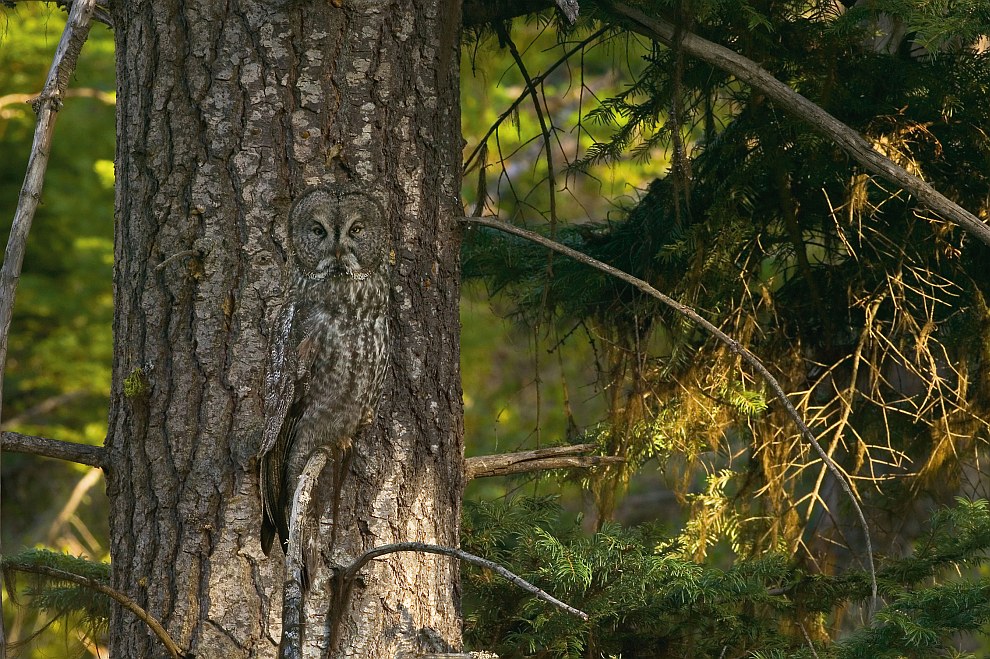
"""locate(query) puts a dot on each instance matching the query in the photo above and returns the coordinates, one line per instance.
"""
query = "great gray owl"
(329, 345)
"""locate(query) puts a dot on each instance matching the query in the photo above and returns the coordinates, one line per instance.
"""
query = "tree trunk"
(227, 111)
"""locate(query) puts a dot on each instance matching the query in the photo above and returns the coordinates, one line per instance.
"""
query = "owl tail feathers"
(271, 529)
(267, 535)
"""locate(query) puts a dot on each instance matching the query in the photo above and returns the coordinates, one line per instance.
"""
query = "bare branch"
(538, 80)
(818, 119)
(115, 595)
(94, 456)
(46, 106)
(544, 129)
(557, 457)
(733, 346)
(350, 572)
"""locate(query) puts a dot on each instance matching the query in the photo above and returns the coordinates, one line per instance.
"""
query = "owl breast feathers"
(329, 344)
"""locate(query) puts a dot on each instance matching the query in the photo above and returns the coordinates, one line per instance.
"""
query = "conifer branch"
(818, 119)
(348, 573)
(102, 588)
(733, 345)
(556, 457)
(94, 456)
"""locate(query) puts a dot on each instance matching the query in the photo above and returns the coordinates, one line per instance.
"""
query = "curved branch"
(731, 343)
(94, 456)
(116, 596)
(818, 119)
(348, 573)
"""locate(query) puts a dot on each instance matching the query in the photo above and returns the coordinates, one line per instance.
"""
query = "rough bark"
(226, 111)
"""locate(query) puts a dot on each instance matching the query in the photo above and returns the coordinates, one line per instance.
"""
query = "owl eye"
(318, 231)
(356, 229)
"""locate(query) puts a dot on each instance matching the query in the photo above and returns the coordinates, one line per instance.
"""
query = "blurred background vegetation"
(720, 533)
(58, 364)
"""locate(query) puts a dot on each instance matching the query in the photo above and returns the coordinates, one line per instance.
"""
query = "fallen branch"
(818, 119)
(557, 457)
(99, 587)
(94, 456)
(731, 343)
(348, 573)
(46, 106)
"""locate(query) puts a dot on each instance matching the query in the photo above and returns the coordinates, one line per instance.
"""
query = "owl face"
(337, 233)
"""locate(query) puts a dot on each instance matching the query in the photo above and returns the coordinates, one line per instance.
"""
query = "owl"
(329, 345)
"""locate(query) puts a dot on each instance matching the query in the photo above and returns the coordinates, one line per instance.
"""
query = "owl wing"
(280, 377)
(286, 380)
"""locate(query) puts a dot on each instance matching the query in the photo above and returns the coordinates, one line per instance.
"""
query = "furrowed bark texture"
(226, 111)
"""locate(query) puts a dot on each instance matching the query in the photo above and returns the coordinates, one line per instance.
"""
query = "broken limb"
(555, 457)
(296, 578)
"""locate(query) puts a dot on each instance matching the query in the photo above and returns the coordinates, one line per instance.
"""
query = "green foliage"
(77, 606)
(58, 365)
(60, 349)
(867, 308)
(60, 338)
(645, 598)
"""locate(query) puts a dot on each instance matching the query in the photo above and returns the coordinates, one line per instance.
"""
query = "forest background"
(718, 531)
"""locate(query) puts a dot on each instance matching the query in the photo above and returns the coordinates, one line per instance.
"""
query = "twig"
(350, 572)
(46, 106)
(94, 456)
(556, 457)
(538, 80)
(733, 346)
(818, 119)
(115, 595)
(503, 35)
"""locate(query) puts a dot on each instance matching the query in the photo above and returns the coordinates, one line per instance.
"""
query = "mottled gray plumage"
(329, 349)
